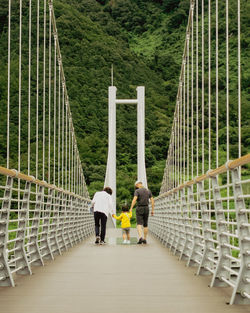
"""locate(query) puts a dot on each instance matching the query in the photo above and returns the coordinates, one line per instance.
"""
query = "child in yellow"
(125, 220)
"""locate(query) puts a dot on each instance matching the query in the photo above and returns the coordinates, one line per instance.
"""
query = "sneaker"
(140, 241)
(102, 242)
(144, 241)
(124, 241)
(97, 241)
(128, 242)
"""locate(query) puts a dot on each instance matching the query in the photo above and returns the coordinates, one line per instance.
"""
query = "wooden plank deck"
(115, 279)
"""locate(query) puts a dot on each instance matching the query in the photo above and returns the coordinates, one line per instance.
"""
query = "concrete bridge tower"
(110, 179)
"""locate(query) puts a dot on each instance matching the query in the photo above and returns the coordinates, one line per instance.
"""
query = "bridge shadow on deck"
(115, 279)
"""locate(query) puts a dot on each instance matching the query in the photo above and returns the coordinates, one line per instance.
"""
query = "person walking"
(125, 223)
(103, 205)
(142, 196)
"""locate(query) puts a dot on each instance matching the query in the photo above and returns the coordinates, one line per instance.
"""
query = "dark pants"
(100, 217)
(142, 213)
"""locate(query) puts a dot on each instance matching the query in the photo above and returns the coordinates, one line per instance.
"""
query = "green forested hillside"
(144, 41)
(88, 55)
(111, 32)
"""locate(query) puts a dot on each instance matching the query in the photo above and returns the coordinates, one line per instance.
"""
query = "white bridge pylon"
(110, 179)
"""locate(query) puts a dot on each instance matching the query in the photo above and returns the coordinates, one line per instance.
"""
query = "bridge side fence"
(44, 201)
(202, 215)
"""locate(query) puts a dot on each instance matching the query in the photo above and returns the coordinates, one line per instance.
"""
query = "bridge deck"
(115, 279)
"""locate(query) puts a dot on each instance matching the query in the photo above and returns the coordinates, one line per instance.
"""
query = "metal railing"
(201, 214)
(49, 221)
(45, 214)
(194, 221)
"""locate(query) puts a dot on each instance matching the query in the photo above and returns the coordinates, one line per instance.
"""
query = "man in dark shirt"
(142, 196)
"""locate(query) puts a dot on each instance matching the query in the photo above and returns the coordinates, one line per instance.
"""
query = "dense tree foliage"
(144, 41)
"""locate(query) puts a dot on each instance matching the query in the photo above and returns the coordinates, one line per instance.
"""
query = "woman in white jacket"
(103, 205)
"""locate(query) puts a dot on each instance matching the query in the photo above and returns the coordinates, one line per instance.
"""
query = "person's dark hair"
(125, 208)
(108, 190)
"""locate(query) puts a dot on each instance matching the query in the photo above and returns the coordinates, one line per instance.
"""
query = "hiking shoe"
(140, 241)
(144, 241)
(97, 241)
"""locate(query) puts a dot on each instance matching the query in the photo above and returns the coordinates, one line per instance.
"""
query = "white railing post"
(180, 225)
(20, 254)
(197, 245)
(186, 242)
(55, 247)
(35, 254)
(220, 274)
(241, 292)
(208, 261)
(170, 237)
(45, 237)
(68, 221)
(60, 223)
(166, 215)
(6, 278)
(176, 232)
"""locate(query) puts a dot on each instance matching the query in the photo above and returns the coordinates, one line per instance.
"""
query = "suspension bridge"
(198, 254)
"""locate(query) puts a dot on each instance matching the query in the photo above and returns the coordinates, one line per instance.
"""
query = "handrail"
(220, 170)
(209, 227)
(29, 178)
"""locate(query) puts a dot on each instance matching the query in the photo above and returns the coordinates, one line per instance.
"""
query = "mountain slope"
(144, 41)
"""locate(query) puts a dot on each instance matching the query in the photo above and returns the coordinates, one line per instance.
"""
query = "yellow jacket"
(124, 218)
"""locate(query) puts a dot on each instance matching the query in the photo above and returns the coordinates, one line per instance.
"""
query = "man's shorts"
(142, 213)
(126, 230)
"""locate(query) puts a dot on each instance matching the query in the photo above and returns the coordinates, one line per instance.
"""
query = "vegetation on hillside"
(144, 41)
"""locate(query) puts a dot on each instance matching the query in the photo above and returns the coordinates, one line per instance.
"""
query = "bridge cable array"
(201, 214)
(45, 214)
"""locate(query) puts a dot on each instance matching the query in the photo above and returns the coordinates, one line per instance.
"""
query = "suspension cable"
(209, 85)
(59, 122)
(29, 87)
(19, 99)
(69, 147)
(37, 86)
(209, 97)
(227, 98)
(239, 85)
(175, 152)
(72, 155)
(192, 91)
(188, 38)
(202, 86)
(63, 109)
(184, 120)
(217, 81)
(49, 100)
(8, 92)
(55, 85)
(66, 146)
(181, 129)
(74, 164)
(178, 142)
(44, 84)
(197, 88)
